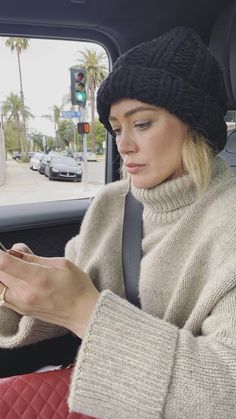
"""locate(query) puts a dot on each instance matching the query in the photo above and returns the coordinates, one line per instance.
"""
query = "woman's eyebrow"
(133, 111)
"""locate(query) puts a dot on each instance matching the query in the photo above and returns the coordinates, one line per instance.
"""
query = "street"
(23, 185)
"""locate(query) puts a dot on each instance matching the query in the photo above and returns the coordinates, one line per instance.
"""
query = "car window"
(230, 147)
(64, 160)
(39, 118)
(230, 119)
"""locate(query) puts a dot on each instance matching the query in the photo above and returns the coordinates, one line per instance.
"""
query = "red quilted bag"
(41, 395)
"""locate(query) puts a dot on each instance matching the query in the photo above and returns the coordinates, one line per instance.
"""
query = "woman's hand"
(21, 247)
(51, 289)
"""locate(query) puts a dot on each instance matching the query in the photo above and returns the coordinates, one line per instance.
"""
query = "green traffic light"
(80, 96)
(78, 86)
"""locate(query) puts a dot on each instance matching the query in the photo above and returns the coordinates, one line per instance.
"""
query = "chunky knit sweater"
(176, 357)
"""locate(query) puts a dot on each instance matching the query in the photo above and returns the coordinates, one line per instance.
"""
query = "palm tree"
(93, 62)
(15, 113)
(55, 118)
(19, 44)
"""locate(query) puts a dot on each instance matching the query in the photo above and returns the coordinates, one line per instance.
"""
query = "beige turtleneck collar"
(165, 203)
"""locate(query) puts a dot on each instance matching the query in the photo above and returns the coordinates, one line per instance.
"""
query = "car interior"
(116, 25)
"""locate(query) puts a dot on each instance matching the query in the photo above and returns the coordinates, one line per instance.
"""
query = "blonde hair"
(197, 160)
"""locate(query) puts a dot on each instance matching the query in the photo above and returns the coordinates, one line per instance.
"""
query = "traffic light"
(83, 128)
(78, 86)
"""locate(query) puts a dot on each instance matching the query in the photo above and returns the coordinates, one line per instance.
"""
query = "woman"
(164, 101)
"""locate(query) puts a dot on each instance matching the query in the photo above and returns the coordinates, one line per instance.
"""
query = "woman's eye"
(142, 125)
(116, 131)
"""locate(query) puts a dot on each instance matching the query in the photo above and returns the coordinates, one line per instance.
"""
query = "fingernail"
(16, 253)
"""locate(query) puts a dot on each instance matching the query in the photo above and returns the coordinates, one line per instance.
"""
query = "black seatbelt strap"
(132, 247)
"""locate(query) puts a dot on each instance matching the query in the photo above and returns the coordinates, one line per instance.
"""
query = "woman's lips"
(134, 168)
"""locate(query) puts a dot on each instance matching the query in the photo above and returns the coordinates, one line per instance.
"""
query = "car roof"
(116, 24)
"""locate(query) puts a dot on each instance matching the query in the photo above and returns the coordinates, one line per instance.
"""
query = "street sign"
(70, 114)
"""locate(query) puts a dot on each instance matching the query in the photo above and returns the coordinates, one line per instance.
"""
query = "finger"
(55, 262)
(14, 285)
(1, 287)
(27, 265)
(2, 296)
(27, 257)
(21, 247)
(8, 279)
(15, 253)
(22, 280)
(13, 264)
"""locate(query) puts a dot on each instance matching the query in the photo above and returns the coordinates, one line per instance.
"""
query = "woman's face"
(149, 140)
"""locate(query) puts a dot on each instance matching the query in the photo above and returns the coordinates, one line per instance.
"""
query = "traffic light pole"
(85, 165)
(79, 97)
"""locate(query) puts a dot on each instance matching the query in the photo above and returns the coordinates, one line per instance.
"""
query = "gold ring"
(2, 296)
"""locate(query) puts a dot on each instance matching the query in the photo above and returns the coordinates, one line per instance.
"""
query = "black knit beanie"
(175, 71)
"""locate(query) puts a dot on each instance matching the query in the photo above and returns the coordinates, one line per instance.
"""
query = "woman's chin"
(143, 183)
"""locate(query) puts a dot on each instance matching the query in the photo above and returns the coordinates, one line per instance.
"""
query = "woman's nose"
(126, 143)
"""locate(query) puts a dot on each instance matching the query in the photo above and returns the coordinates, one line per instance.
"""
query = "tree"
(67, 132)
(11, 135)
(15, 113)
(38, 139)
(19, 44)
(55, 118)
(100, 134)
(93, 62)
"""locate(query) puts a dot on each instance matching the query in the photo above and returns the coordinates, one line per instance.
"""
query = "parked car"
(35, 161)
(48, 159)
(29, 154)
(91, 156)
(18, 155)
(64, 168)
(79, 156)
(43, 163)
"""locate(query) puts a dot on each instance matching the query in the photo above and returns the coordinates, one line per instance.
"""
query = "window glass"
(230, 148)
(230, 119)
(231, 144)
(48, 87)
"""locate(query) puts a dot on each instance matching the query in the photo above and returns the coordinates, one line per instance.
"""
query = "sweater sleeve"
(134, 365)
(17, 330)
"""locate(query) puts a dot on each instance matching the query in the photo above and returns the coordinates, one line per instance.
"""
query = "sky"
(45, 75)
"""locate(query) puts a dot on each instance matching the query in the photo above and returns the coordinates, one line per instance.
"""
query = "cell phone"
(3, 247)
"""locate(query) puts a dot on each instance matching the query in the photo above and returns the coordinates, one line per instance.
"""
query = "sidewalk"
(23, 185)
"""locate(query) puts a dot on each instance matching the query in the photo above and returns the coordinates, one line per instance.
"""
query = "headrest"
(223, 47)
